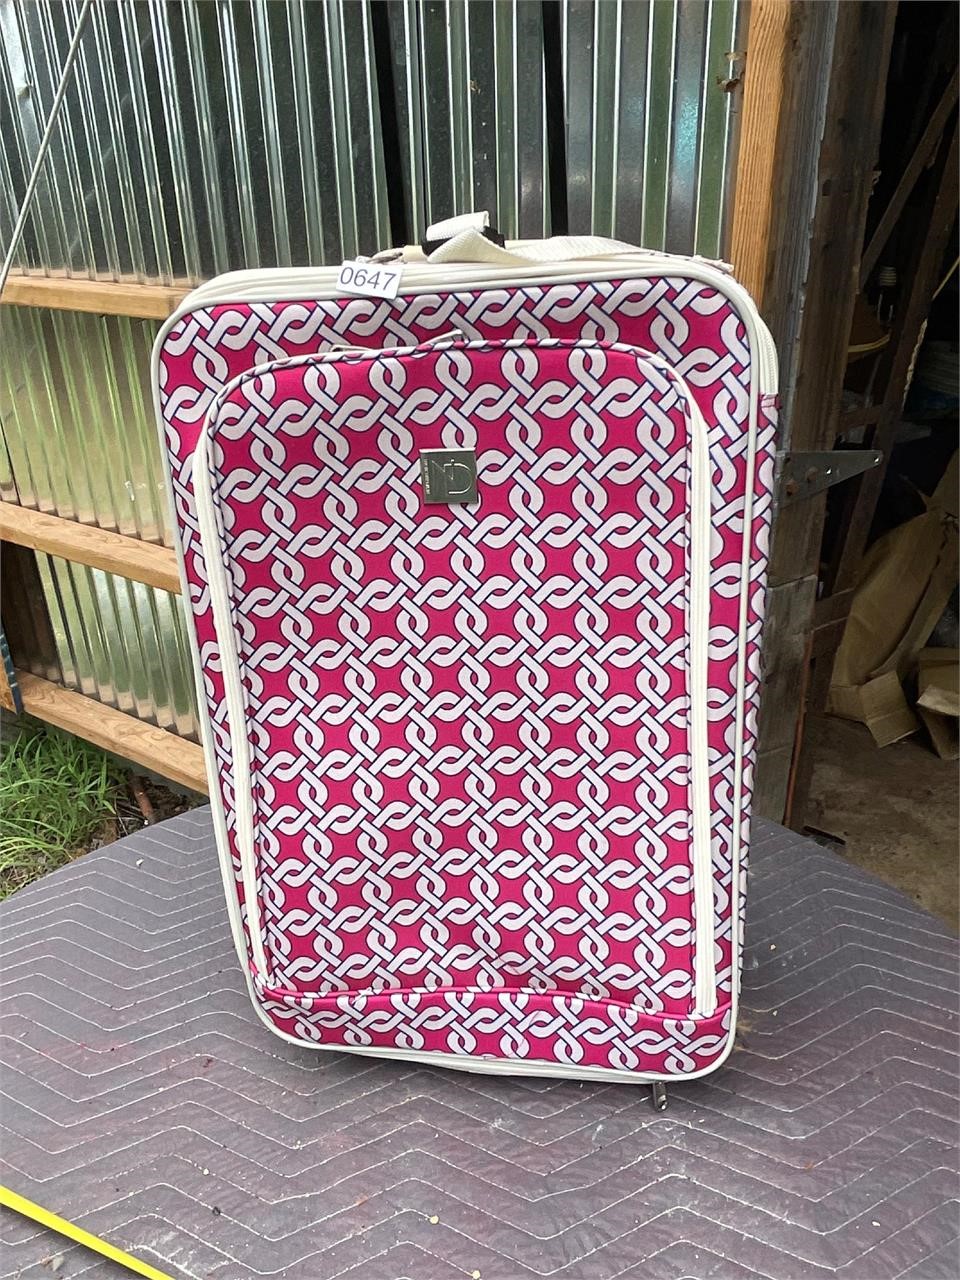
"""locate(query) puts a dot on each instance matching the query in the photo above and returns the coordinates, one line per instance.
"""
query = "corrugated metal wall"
(205, 135)
(648, 120)
(198, 137)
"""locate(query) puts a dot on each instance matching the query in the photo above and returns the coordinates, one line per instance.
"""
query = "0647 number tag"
(370, 279)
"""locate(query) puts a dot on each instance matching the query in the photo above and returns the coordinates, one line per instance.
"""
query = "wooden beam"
(86, 544)
(922, 275)
(789, 53)
(844, 183)
(911, 174)
(853, 419)
(100, 297)
(755, 208)
(155, 749)
(814, 85)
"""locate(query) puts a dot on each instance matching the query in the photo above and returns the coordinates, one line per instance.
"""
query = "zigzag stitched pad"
(140, 1097)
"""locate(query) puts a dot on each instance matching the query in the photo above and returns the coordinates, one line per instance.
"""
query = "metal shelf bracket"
(802, 475)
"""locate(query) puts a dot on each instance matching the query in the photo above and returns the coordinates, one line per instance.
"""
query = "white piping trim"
(221, 837)
(233, 692)
(764, 382)
(705, 1001)
(319, 284)
(701, 854)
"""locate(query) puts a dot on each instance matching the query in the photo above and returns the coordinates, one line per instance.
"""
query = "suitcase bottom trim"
(505, 1032)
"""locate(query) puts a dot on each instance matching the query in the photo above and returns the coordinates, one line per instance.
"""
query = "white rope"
(44, 144)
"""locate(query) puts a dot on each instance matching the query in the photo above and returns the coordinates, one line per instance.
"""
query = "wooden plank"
(789, 51)
(826, 639)
(816, 682)
(832, 608)
(853, 419)
(845, 176)
(788, 612)
(144, 744)
(918, 162)
(101, 297)
(776, 726)
(772, 772)
(806, 79)
(86, 544)
(755, 208)
(923, 275)
(788, 609)
(796, 245)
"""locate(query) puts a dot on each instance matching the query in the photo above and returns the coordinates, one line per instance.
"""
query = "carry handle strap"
(472, 246)
(470, 238)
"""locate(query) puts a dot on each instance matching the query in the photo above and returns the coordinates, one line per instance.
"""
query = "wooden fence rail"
(99, 297)
(157, 750)
(90, 545)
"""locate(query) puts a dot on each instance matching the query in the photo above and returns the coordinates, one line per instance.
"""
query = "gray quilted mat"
(142, 1098)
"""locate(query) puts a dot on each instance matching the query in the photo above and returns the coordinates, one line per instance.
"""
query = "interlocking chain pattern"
(366, 704)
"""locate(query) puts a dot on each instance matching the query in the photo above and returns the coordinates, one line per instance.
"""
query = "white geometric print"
(470, 727)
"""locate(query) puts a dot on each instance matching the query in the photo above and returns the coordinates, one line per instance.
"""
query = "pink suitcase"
(476, 579)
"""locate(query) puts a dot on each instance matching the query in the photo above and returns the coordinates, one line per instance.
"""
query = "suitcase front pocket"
(460, 597)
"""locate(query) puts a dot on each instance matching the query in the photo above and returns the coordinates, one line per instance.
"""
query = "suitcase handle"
(472, 245)
(470, 238)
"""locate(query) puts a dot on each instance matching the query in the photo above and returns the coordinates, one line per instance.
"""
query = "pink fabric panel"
(691, 324)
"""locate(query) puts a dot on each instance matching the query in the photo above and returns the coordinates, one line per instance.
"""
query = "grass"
(58, 798)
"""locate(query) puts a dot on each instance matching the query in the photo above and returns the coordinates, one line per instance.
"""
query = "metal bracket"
(804, 474)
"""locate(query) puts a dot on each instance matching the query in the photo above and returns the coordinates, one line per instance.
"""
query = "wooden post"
(809, 138)
(758, 159)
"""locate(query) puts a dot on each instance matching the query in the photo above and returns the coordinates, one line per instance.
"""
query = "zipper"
(298, 277)
(701, 854)
(283, 284)
(701, 834)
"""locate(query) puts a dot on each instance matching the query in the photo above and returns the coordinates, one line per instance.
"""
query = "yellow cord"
(20, 1204)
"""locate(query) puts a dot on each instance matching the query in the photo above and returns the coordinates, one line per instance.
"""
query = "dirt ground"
(897, 809)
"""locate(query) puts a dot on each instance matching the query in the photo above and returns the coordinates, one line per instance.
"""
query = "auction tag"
(370, 279)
